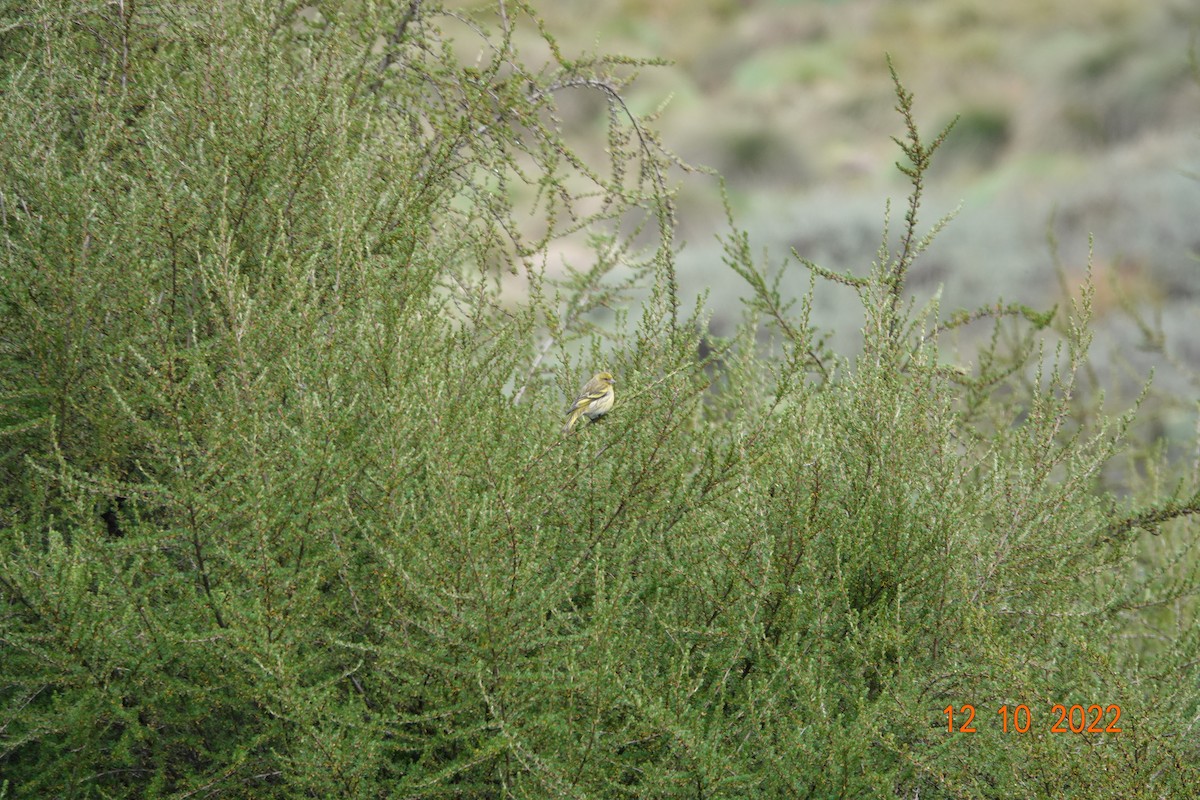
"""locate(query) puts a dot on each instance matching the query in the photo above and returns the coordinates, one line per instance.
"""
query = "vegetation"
(287, 513)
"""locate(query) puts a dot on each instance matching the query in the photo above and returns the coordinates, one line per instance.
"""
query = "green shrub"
(287, 513)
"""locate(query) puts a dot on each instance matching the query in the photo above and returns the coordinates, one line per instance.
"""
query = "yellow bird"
(595, 400)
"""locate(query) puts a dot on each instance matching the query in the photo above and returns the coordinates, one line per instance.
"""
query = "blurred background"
(1076, 118)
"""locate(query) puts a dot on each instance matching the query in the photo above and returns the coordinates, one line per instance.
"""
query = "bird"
(595, 400)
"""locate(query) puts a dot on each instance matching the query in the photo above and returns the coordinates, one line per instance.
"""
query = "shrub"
(287, 512)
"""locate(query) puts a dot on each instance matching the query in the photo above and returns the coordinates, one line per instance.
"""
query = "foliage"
(286, 510)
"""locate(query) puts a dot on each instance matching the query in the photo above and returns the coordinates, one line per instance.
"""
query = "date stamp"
(1019, 719)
